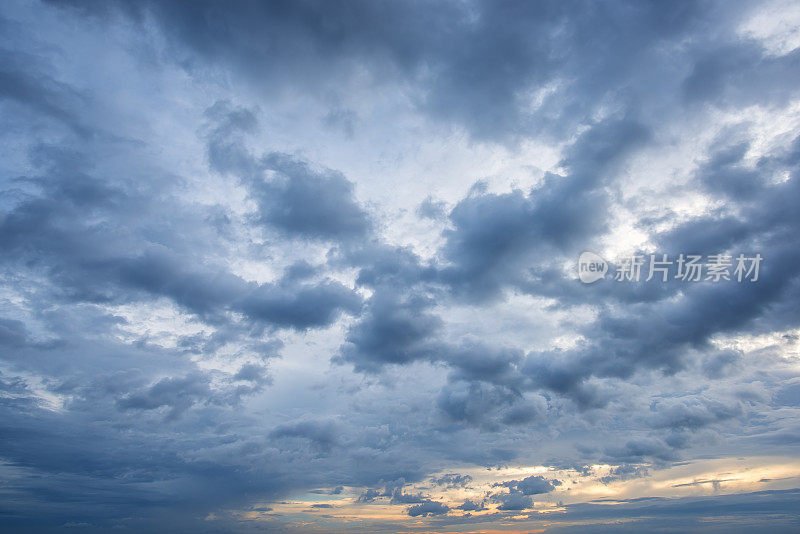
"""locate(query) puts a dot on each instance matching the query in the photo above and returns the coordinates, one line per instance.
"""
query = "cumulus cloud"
(428, 508)
(532, 485)
(514, 500)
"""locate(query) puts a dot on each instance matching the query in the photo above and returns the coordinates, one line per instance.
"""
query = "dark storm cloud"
(494, 240)
(84, 448)
(478, 361)
(532, 485)
(428, 508)
(472, 506)
(86, 237)
(305, 306)
(322, 434)
(640, 449)
(657, 330)
(176, 393)
(308, 204)
(291, 196)
(393, 269)
(741, 75)
(514, 500)
(392, 332)
(497, 237)
(487, 406)
(476, 64)
(23, 82)
(100, 422)
(250, 372)
(722, 363)
(693, 414)
(623, 343)
(106, 260)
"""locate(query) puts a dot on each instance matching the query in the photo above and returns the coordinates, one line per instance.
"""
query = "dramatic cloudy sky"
(311, 266)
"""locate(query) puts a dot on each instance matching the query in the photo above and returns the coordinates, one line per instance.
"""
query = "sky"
(315, 266)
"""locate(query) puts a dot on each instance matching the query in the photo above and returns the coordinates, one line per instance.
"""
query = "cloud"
(105, 261)
(321, 434)
(431, 209)
(496, 238)
(693, 414)
(203, 207)
(532, 485)
(308, 204)
(625, 472)
(300, 306)
(514, 500)
(471, 506)
(290, 195)
(176, 393)
(392, 332)
(428, 508)
(452, 480)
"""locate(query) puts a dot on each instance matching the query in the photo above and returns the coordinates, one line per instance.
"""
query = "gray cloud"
(428, 508)
(188, 194)
(532, 485)
(514, 500)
